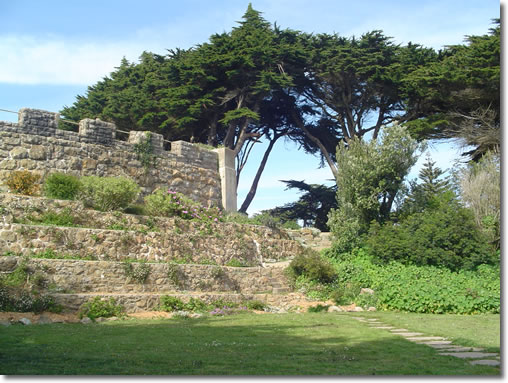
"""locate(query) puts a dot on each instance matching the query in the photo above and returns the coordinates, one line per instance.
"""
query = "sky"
(51, 51)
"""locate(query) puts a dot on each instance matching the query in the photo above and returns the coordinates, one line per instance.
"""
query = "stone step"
(280, 290)
(470, 355)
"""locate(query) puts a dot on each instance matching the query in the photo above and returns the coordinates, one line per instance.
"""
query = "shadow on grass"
(246, 344)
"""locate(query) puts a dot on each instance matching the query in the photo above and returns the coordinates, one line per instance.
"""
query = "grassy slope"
(287, 344)
(467, 330)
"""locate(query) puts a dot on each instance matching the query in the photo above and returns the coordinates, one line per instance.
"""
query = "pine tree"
(431, 179)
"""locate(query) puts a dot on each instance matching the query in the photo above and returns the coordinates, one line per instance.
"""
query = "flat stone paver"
(424, 338)
(459, 348)
(486, 362)
(437, 342)
(441, 346)
(399, 330)
(383, 327)
(469, 355)
(409, 334)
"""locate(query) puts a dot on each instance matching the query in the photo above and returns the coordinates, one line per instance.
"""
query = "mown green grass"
(242, 344)
(482, 330)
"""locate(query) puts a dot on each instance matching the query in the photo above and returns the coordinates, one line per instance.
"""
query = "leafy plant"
(173, 204)
(312, 265)
(317, 309)
(138, 273)
(144, 151)
(217, 272)
(108, 193)
(170, 303)
(61, 186)
(174, 273)
(101, 308)
(255, 305)
(23, 182)
(420, 289)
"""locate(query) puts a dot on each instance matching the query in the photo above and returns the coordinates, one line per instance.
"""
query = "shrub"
(61, 186)
(169, 303)
(317, 309)
(195, 304)
(255, 305)
(138, 273)
(312, 265)
(108, 193)
(99, 308)
(445, 236)
(23, 182)
(24, 301)
(173, 204)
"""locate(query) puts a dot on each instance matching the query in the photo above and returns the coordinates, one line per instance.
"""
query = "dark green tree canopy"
(458, 96)
(259, 82)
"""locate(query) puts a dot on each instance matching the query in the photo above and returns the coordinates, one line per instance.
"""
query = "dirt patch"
(14, 317)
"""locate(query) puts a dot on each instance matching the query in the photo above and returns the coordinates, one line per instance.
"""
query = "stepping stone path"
(441, 344)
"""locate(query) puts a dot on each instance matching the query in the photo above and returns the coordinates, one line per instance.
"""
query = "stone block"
(37, 152)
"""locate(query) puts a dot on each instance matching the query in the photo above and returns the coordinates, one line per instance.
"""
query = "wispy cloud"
(29, 60)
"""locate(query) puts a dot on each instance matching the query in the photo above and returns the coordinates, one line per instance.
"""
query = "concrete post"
(227, 174)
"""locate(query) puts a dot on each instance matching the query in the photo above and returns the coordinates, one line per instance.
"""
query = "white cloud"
(29, 60)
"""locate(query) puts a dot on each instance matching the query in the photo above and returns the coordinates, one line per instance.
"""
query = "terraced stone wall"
(35, 144)
(114, 236)
(62, 275)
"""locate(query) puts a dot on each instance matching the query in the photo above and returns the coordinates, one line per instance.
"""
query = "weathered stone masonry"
(35, 144)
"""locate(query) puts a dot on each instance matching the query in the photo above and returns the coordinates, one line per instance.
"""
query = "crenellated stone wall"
(35, 144)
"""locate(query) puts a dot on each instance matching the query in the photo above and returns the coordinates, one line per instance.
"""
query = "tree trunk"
(212, 132)
(252, 192)
(316, 140)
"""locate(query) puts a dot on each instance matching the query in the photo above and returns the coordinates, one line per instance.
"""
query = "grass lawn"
(242, 344)
(465, 330)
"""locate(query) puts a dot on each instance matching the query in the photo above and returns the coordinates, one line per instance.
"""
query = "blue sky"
(50, 51)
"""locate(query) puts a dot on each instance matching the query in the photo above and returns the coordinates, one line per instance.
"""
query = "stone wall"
(35, 144)
(116, 236)
(311, 237)
(99, 276)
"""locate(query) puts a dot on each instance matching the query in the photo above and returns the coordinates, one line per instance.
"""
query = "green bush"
(61, 186)
(312, 265)
(173, 204)
(255, 305)
(99, 308)
(23, 182)
(25, 301)
(444, 236)
(169, 303)
(108, 193)
(317, 309)
(138, 273)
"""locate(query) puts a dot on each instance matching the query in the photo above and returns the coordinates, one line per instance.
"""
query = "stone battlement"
(36, 144)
